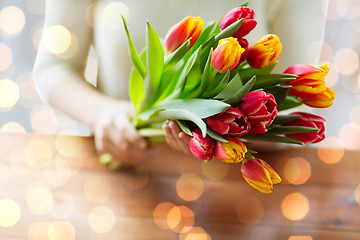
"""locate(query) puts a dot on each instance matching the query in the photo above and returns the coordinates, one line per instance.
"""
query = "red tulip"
(260, 175)
(261, 110)
(236, 14)
(227, 55)
(202, 148)
(308, 120)
(245, 45)
(232, 151)
(309, 85)
(264, 52)
(231, 122)
(189, 27)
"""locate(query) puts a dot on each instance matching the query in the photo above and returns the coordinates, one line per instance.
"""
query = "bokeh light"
(69, 146)
(215, 170)
(43, 120)
(101, 219)
(250, 211)
(97, 189)
(180, 219)
(160, 214)
(36, 6)
(10, 213)
(61, 230)
(9, 93)
(295, 206)
(330, 150)
(39, 200)
(12, 20)
(349, 135)
(38, 230)
(357, 194)
(6, 57)
(57, 39)
(346, 60)
(297, 170)
(12, 127)
(38, 154)
(189, 187)
(195, 233)
(111, 14)
(300, 238)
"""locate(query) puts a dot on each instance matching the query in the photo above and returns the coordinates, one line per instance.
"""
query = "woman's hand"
(115, 135)
(177, 139)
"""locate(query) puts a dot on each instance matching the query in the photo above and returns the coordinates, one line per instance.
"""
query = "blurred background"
(333, 29)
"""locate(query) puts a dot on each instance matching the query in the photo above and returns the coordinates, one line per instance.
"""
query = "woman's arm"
(61, 83)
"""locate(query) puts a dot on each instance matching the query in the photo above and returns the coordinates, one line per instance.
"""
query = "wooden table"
(53, 187)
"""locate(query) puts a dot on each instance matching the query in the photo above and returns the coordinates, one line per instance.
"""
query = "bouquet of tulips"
(222, 92)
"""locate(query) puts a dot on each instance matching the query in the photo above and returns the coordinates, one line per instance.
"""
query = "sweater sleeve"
(64, 45)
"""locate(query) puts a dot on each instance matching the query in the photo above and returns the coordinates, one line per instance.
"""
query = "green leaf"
(291, 129)
(240, 94)
(269, 80)
(248, 72)
(136, 85)
(181, 114)
(270, 138)
(177, 55)
(231, 89)
(207, 76)
(184, 127)
(210, 93)
(203, 108)
(281, 119)
(193, 77)
(279, 92)
(154, 65)
(289, 102)
(229, 31)
(216, 136)
(133, 53)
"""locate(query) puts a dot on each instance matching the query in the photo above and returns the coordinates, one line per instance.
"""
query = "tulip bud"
(260, 108)
(202, 148)
(230, 122)
(189, 27)
(309, 85)
(227, 55)
(264, 52)
(232, 151)
(236, 14)
(260, 175)
(308, 120)
(245, 45)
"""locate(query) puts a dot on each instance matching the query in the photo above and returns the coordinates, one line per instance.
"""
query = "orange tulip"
(260, 175)
(227, 55)
(231, 152)
(309, 85)
(264, 52)
(189, 27)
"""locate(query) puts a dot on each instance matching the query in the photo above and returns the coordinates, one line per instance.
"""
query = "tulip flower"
(227, 55)
(230, 122)
(308, 120)
(236, 14)
(202, 148)
(264, 52)
(260, 175)
(232, 151)
(309, 85)
(261, 110)
(245, 45)
(189, 27)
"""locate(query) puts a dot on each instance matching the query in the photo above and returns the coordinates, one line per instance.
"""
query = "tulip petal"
(257, 176)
